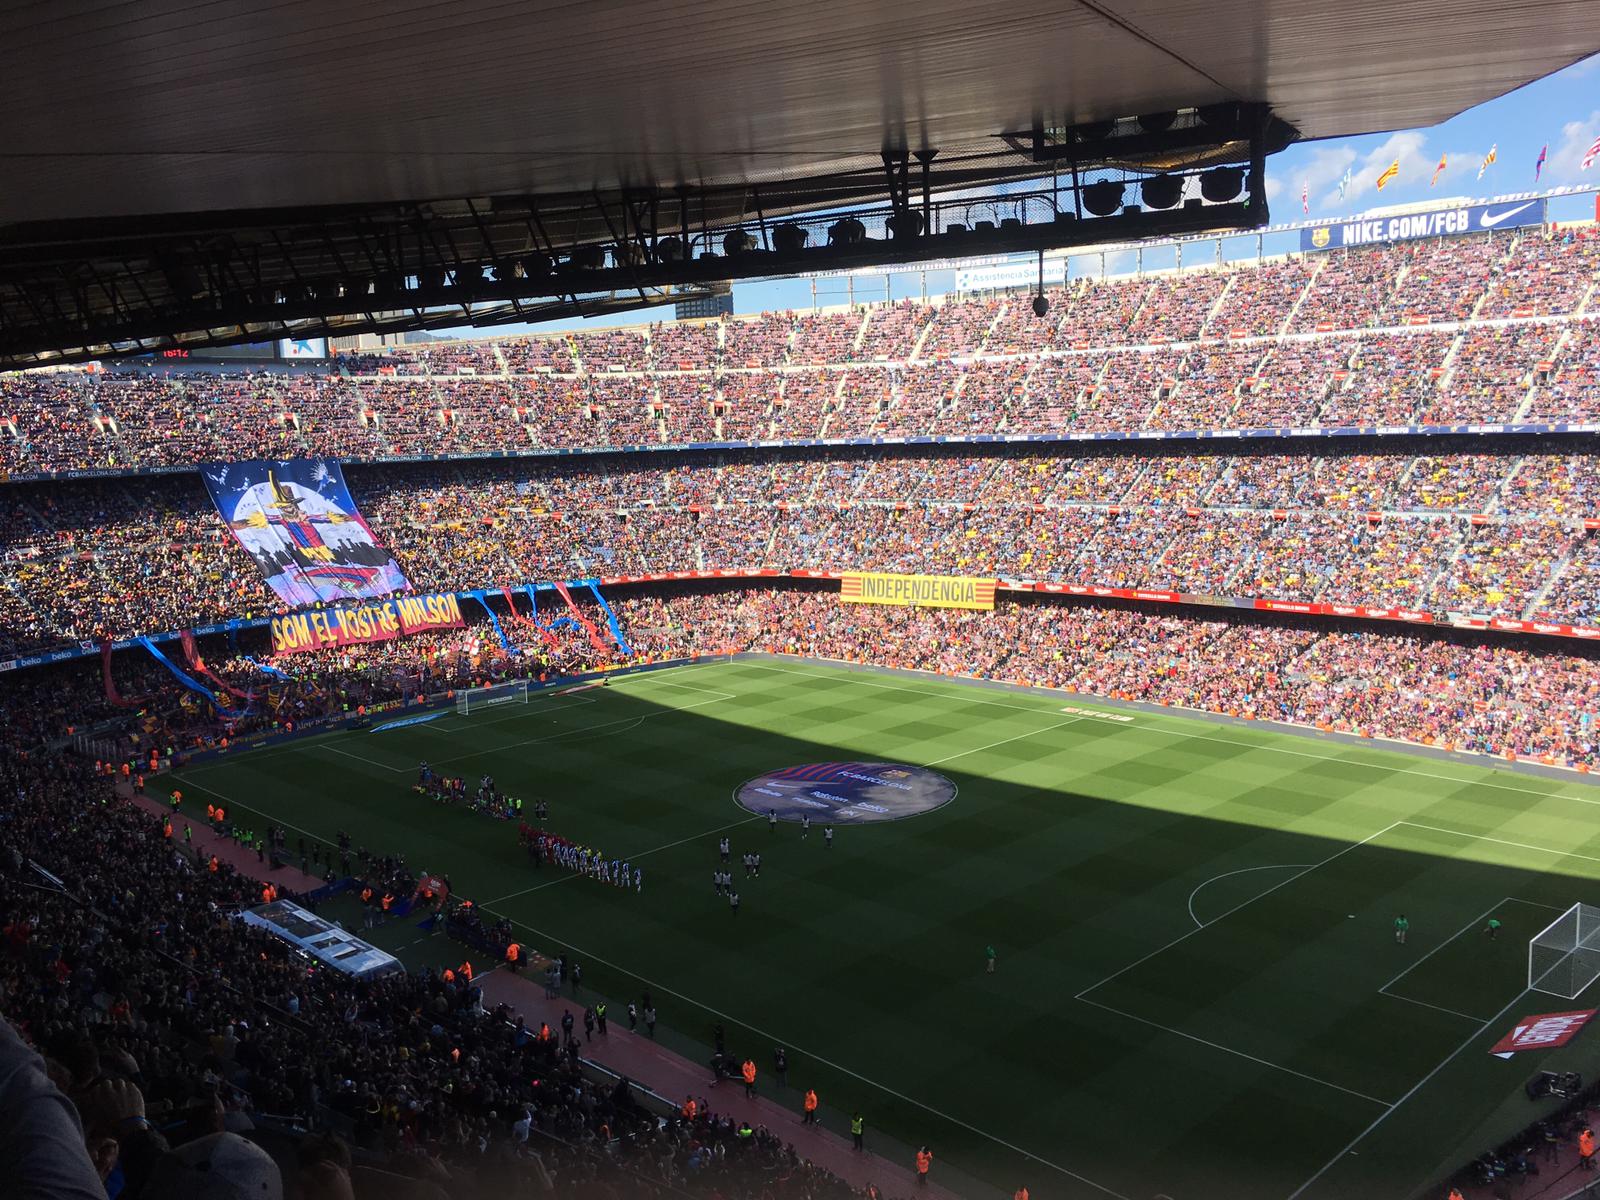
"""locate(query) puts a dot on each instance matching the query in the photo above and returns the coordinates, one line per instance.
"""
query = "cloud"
(1566, 152)
(1319, 173)
(1322, 173)
(1408, 146)
(1460, 172)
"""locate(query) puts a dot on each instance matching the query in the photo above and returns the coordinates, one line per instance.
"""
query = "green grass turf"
(1143, 1032)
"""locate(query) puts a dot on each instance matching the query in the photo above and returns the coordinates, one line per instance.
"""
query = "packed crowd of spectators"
(177, 1034)
(1480, 693)
(1066, 371)
(126, 556)
(145, 998)
(1476, 696)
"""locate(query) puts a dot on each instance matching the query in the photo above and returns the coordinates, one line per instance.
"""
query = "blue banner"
(297, 520)
(611, 619)
(478, 595)
(1439, 222)
(264, 668)
(188, 681)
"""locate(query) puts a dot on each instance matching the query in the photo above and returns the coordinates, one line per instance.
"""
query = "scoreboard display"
(282, 350)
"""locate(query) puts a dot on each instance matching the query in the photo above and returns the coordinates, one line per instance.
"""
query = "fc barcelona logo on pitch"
(846, 793)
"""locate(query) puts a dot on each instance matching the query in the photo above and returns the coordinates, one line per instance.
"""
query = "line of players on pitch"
(722, 881)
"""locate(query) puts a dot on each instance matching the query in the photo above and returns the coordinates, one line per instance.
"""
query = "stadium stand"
(134, 555)
(1484, 328)
(1495, 527)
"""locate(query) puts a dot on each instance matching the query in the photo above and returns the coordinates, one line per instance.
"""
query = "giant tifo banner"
(298, 522)
(1440, 222)
(926, 591)
(327, 628)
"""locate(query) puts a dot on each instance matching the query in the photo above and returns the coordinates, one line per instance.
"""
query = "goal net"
(470, 700)
(1564, 957)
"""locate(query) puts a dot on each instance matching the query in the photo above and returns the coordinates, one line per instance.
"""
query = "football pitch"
(1198, 993)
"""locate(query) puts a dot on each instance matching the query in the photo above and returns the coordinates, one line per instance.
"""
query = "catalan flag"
(1438, 171)
(1388, 175)
(1489, 159)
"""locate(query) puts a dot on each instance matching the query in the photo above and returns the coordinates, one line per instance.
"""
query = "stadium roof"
(179, 173)
(167, 106)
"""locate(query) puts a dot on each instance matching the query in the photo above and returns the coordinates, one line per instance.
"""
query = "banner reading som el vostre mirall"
(328, 628)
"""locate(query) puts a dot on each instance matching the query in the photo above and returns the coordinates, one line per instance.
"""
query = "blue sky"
(1561, 111)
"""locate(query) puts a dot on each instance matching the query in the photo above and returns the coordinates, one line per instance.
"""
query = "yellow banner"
(924, 591)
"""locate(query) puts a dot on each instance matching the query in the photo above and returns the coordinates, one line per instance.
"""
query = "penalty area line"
(1229, 875)
(1415, 1088)
(1183, 937)
(1338, 1087)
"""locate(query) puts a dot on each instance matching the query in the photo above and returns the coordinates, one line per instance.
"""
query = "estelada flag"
(1389, 174)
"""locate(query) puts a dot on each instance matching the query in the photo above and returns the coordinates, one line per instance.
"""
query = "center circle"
(846, 793)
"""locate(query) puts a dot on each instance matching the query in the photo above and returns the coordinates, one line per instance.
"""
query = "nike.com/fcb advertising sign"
(1441, 222)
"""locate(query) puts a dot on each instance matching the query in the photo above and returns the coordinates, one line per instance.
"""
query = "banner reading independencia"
(328, 628)
(298, 522)
(928, 591)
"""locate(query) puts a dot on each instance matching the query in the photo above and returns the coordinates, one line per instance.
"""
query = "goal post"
(471, 700)
(1564, 956)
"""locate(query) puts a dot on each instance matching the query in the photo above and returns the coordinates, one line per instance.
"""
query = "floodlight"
(1103, 199)
(1161, 191)
(1221, 184)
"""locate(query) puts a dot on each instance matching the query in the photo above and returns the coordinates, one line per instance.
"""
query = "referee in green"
(1401, 928)
(1493, 929)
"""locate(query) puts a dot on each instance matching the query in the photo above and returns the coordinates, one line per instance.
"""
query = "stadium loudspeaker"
(1222, 184)
(587, 258)
(737, 242)
(1219, 114)
(669, 250)
(791, 238)
(904, 224)
(1041, 305)
(1157, 122)
(1103, 199)
(1161, 191)
(848, 231)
